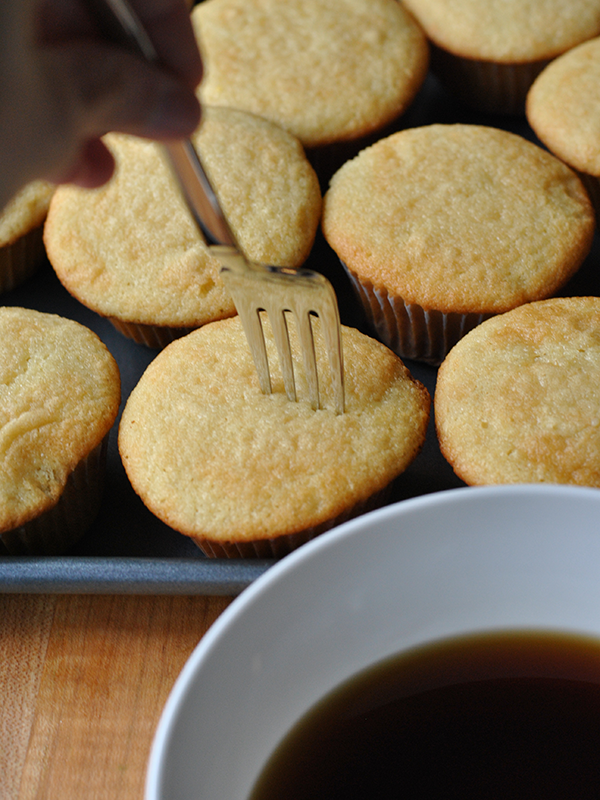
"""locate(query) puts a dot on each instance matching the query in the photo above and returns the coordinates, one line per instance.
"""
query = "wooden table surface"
(83, 681)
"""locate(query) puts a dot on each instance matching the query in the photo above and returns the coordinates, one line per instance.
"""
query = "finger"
(167, 22)
(169, 27)
(104, 88)
(92, 167)
(62, 20)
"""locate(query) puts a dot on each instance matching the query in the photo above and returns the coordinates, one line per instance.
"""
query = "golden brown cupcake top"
(26, 211)
(517, 398)
(507, 31)
(563, 107)
(215, 458)
(459, 218)
(325, 71)
(130, 250)
(59, 396)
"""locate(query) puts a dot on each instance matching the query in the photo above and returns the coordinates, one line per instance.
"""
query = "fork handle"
(118, 22)
(199, 193)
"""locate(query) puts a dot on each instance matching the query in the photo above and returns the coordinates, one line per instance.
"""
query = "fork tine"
(279, 291)
(252, 325)
(330, 319)
(278, 321)
(324, 305)
(306, 335)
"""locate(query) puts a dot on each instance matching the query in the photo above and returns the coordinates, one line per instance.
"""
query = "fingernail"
(176, 114)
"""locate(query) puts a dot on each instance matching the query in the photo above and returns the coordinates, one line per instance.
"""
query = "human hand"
(62, 87)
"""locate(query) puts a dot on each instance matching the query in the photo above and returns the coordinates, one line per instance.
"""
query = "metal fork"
(254, 288)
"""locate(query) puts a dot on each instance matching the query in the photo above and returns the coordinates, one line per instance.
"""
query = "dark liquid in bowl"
(495, 716)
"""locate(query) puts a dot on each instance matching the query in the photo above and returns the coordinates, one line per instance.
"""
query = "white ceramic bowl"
(466, 560)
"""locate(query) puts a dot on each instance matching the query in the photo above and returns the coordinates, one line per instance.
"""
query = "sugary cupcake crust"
(516, 399)
(218, 460)
(26, 211)
(59, 396)
(507, 31)
(563, 107)
(459, 218)
(327, 72)
(130, 250)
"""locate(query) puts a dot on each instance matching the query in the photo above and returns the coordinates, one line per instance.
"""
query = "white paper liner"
(58, 528)
(153, 336)
(280, 546)
(410, 330)
(486, 85)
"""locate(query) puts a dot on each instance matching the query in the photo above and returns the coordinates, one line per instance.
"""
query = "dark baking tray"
(130, 551)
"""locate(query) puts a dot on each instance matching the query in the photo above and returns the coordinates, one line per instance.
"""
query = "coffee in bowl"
(492, 715)
(461, 595)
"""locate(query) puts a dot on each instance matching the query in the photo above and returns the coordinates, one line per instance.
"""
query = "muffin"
(21, 225)
(248, 474)
(488, 52)
(517, 399)
(440, 227)
(331, 73)
(59, 397)
(131, 252)
(563, 108)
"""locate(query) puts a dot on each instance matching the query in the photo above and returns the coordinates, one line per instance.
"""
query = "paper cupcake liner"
(410, 330)
(21, 259)
(488, 86)
(280, 546)
(54, 531)
(154, 336)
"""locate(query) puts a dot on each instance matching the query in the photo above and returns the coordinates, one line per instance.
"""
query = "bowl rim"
(290, 563)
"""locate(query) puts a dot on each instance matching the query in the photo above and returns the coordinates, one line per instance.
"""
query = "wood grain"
(83, 681)
(25, 625)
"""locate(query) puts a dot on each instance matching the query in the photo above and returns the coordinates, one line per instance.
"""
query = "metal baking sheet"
(128, 550)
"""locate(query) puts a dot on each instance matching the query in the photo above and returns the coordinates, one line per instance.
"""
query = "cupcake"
(563, 108)
(331, 73)
(59, 397)
(130, 250)
(248, 474)
(21, 225)
(488, 52)
(517, 399)
(440, 227)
